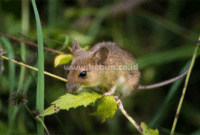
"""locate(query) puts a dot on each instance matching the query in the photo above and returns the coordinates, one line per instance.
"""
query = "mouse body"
(105, 65)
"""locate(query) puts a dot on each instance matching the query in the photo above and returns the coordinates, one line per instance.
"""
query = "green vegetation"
(160, 34)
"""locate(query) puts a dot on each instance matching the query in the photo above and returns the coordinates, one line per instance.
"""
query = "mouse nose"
(72, 87)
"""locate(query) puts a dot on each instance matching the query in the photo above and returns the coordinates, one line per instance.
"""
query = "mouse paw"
(111, 92)
(108, 93)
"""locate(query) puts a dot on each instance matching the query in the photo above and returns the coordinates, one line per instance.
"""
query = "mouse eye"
(83, 74)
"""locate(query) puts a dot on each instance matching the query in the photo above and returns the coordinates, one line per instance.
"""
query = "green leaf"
(106, 107)
(147, 131)
(86, 48)
(62, 59)
(72, 101)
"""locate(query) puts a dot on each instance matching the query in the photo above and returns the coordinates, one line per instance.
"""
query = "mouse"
(108, 66)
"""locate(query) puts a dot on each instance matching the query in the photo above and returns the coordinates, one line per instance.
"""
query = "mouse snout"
(72, 87)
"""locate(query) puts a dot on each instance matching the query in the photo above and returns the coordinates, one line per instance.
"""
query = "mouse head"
(85, 66)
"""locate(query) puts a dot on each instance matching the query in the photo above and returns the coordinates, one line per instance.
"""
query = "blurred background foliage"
(160, 34)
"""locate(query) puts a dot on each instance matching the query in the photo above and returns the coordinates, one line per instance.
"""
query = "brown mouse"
(107, 65)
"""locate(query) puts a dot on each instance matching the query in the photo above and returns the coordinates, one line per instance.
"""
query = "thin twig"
(49, 40)
(121, 108)
(1, 59)
(37, 118)
(31, 43)
(31, 113)
(33, 68)
(184, 90)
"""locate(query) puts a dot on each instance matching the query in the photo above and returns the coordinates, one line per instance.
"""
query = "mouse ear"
(75, 46)
(101, 55)
(76, 49)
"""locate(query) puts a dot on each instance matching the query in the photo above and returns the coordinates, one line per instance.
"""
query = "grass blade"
(40, 81)
(25, 29)
(12, 110)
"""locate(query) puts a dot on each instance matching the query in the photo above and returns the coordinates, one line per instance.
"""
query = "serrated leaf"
(62, 59)
(72, 101)
(106, 107)
(147, 131)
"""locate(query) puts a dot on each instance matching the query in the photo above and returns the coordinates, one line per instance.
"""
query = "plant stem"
(28, 109)
(121, 108)
(48, 39)
(37, 118)
(1, 59)
(42, 122)
(33, 68)
(31, 43)
(165, 107)
(184, 90)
